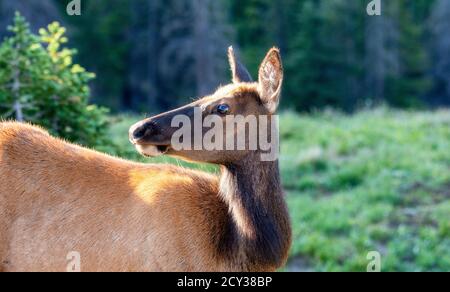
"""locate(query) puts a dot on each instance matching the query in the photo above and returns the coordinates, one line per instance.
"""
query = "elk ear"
(271, 79)
(238, 71)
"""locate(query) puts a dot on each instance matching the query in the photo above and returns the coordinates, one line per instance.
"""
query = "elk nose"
(139, 131)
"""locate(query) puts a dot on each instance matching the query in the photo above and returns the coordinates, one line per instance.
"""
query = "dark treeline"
(150, 55)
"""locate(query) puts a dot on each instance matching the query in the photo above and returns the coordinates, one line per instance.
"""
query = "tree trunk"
(375, 54)
(16, 92)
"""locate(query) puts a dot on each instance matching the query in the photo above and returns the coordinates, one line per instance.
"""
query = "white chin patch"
(149, 150)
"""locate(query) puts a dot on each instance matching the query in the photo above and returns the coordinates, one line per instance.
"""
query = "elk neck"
(257, 226)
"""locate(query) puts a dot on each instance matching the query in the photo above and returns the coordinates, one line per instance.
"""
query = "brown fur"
(56, 198)
(121, 216)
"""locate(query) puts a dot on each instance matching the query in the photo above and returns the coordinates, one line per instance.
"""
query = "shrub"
(40, 84)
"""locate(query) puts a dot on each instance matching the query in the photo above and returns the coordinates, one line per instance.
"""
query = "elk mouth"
(163, 148)
(151, 150)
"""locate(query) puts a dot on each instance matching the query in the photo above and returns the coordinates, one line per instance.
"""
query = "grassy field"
(375, 181)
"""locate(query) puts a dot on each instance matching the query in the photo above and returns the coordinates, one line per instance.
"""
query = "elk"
(57, 198)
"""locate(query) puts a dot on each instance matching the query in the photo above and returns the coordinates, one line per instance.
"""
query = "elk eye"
(223, 109)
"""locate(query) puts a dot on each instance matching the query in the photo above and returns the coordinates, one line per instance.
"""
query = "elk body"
(57, 198)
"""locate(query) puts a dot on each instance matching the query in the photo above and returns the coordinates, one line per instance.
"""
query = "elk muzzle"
(153, 136)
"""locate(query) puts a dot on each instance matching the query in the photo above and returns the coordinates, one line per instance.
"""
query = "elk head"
(206, 120)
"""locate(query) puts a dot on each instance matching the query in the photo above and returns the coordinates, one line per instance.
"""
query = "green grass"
(375, 181)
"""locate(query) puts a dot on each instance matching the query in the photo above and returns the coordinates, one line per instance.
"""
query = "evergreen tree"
(307, 87)
(101, 36)
(407, 84)
(324, 64)
(440, 48)
(40, 84)
(254, 29)
(151, 55)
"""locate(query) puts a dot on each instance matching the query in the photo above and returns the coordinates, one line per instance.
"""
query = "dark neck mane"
(256, 234)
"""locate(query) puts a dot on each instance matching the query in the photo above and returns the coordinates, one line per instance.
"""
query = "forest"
(149, 55)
